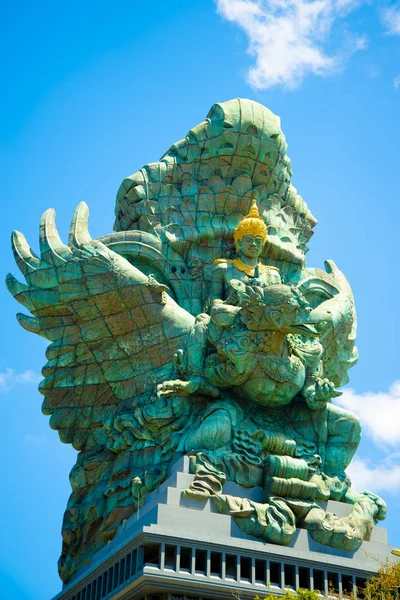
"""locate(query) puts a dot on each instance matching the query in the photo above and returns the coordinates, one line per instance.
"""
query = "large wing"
(329, 292)
(113, 330)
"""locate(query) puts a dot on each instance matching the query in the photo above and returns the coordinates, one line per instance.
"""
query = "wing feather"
(330, 294)
(107, 322)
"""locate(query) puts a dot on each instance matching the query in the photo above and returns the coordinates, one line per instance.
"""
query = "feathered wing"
(330, 294)
(113, 332)
(107, 325)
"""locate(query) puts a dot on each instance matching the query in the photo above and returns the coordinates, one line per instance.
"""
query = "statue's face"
(251, 246)
(291, 314)
(277, 307)
(295, 319)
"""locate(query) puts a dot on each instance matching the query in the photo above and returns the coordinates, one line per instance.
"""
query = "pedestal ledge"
(177, 548)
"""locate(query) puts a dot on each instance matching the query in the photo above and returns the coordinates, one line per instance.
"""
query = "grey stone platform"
(178, 548)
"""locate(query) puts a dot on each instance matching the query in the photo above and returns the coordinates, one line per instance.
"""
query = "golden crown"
(251, 224)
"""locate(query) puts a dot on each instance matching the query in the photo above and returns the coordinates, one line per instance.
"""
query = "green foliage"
(299, 594)
(386, 586)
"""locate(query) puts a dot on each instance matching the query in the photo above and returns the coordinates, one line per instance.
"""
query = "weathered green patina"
(196, 328)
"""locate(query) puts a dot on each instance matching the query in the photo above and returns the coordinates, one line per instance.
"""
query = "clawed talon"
(323, 387)
(325, 390)
(320, 393)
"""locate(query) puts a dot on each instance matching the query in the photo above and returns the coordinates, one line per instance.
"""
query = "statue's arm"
(217, 285)
(275, 276)
(197, 346)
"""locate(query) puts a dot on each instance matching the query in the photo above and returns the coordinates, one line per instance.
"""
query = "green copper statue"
(196, 328)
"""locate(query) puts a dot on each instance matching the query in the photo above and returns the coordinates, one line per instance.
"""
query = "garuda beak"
(309, 325)
(305, 329)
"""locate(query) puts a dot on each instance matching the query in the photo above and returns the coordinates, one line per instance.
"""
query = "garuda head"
(279, 307)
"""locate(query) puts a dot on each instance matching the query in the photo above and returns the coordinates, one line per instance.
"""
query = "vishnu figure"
(249, 238)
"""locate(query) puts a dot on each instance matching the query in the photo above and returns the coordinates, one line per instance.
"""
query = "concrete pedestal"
(177, 548)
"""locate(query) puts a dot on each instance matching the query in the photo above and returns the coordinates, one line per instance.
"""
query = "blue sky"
(94, 90)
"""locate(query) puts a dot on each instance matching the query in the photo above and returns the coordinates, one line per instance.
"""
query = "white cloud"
(391, 19)
(287, 37)
(10, 377)
(379, 412)
(396, 82)
(385, 476)
(380, 415)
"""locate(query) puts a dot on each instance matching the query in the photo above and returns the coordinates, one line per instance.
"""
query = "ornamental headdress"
(251, 224)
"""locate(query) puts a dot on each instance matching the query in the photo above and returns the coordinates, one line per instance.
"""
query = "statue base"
(177, 548)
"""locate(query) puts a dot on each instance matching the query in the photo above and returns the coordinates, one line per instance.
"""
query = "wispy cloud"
(380, 415)
(10, 377)
(391, 19)
(381, 477)
(396, 82)
(288, 37)
(379, 412)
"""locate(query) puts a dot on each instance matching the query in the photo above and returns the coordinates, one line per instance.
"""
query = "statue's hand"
(180, 361)
(319, 393)
(195, 385)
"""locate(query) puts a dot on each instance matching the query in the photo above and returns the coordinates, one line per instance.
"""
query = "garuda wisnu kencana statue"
(196, 328)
